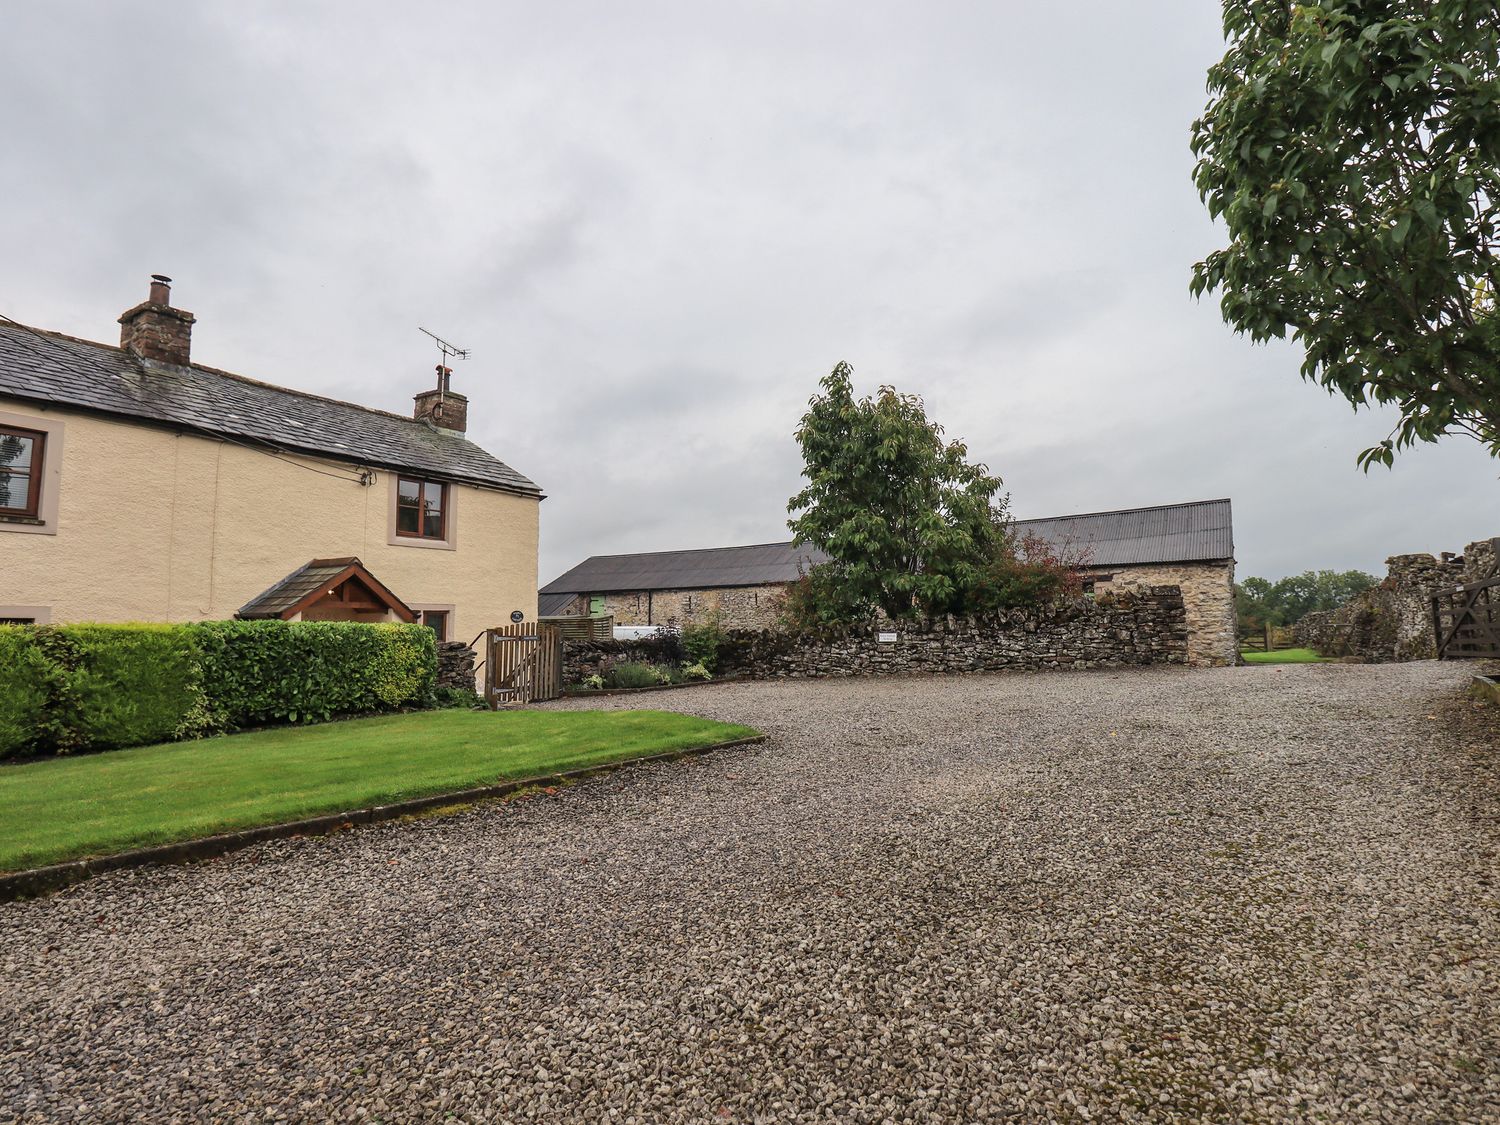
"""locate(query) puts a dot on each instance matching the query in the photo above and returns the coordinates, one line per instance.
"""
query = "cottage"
(1187, 545)
(138, 485)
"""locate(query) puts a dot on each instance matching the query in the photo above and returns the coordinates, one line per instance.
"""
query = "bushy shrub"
(25, 687)
(259, 672)
(701, 643)
(634, 674)
(405, 663)
(696, 672)
(668, 673)
(821, 598)
(73, 687)
(457, 699)
(125, 685)
(1026, 572)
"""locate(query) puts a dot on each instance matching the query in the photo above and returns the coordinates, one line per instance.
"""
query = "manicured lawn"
(100, 803)
(1285, 656)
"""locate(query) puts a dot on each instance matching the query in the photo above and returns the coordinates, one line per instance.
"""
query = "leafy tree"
(1352, 149)
(908, 522)
(1262, 603)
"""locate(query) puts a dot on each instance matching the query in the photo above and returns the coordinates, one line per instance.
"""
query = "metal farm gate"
(522, 663)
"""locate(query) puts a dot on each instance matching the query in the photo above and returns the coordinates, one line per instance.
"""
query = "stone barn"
(1187, 545)
(741, 586)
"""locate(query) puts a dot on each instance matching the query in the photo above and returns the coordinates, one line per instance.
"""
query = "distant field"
(1286, 656)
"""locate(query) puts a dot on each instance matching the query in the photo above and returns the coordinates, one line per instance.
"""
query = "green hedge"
(77, 687)
(25, 686)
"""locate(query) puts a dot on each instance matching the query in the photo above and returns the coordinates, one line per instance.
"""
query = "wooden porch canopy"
(326, 586)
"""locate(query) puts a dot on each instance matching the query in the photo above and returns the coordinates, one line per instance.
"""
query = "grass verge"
(95, 804)
(1285, 656)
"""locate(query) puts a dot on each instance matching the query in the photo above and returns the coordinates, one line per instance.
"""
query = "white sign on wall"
(887, 638)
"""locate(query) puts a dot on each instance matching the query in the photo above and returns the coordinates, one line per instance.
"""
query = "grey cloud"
(657, 225)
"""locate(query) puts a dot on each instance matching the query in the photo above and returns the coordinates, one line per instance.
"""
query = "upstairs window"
(421, 509)
(21, 471)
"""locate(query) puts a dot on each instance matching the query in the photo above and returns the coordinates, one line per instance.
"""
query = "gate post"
(489, 669)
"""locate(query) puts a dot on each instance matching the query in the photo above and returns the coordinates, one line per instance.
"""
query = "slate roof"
(758, 565)
(1200, 531)
(551, 605)
(292, 589)
(45, 367)
(306, 580)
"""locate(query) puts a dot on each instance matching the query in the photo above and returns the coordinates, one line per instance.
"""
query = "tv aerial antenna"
(450, 351)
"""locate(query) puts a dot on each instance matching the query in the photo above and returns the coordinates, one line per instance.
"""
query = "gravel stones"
(1264, 894)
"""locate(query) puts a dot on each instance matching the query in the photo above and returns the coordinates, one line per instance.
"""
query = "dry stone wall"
(1144, 626)
(1392, 622)
(455, 665)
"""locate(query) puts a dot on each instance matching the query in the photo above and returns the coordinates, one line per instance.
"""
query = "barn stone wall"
(735, 607)
(1207, 594)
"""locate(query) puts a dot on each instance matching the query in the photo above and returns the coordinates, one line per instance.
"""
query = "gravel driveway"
(1262, 894)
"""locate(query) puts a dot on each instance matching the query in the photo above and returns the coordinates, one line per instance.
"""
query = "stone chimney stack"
(156, 331)
(445, 409)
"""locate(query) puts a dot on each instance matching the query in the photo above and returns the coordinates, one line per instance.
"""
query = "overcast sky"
(656, 226)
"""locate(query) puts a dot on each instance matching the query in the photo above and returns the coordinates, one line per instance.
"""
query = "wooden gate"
(522, 663)
(1466, 621)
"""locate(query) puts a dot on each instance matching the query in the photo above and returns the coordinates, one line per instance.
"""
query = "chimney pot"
(444, 408)
(156, 331)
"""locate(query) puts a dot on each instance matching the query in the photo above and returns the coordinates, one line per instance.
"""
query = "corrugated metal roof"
(1200, 531)
(49, 368)
(758, 565)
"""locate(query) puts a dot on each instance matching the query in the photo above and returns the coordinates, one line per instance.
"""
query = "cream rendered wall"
(159, 526)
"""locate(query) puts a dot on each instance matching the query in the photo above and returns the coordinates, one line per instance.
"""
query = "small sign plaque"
(887, 638)
(517, 616)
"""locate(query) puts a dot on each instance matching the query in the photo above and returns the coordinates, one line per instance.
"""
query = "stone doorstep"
(40, 880)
